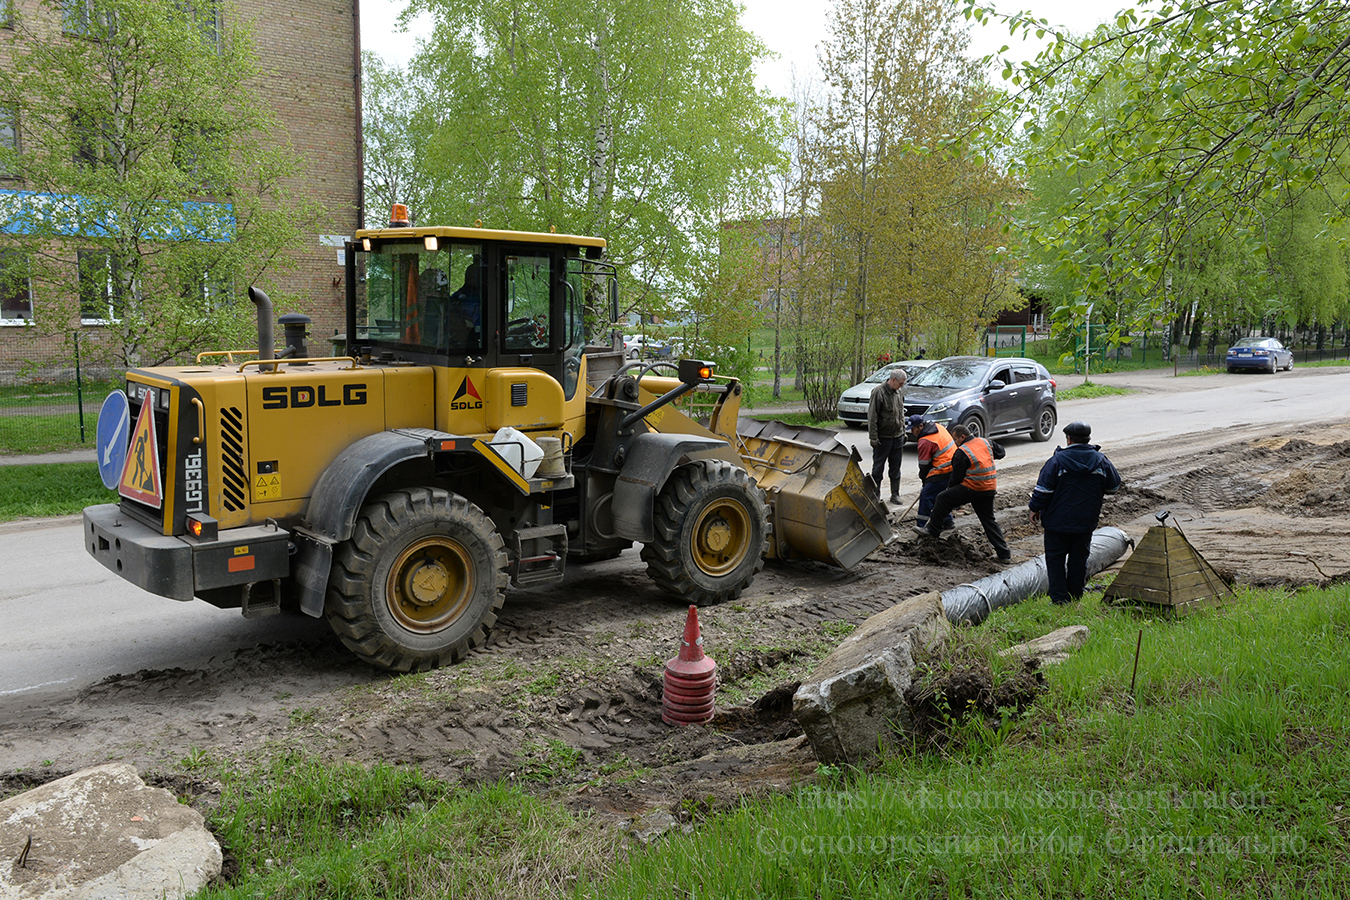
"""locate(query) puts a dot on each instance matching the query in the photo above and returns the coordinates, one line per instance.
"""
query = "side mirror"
(997, 385)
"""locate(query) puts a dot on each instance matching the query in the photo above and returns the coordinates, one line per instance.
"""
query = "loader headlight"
(695, 371)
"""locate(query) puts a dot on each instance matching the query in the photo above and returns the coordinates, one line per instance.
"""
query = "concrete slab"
(1051, 648)
(854, 701)
(103, 834)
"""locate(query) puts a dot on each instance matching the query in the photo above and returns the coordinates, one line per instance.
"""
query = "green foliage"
(628, 120)
(164, 163)
(1186, 160)
(911, 219)
(50, 489)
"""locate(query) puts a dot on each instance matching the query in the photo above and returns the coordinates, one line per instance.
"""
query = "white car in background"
(637, 345)
(853, 402)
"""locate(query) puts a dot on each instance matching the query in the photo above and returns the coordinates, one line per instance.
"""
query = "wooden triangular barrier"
(1166, 573)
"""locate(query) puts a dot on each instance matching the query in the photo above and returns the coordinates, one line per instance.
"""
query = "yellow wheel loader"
(467, 437)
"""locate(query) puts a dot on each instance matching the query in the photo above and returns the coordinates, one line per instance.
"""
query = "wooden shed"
(1167, 573)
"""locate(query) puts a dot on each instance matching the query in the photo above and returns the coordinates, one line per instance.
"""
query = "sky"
(791, 28)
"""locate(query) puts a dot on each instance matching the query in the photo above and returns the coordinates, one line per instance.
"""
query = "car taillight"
(1052, 384)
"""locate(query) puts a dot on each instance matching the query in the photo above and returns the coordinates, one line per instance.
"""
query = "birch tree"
(633, 120)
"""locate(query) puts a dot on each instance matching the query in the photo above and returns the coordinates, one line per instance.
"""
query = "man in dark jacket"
(1067, 501)
(886, 429)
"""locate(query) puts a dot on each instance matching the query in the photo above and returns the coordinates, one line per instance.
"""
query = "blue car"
(1264, 354)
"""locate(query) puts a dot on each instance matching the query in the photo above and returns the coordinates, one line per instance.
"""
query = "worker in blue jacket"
(1067, 502)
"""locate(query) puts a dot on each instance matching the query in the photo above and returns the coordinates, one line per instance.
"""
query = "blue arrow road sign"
(113, 420)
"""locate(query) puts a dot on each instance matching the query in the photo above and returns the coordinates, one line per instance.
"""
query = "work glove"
(876, 444)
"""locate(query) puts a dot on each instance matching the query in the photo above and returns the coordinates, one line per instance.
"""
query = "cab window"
(528, 282)
(425, 300)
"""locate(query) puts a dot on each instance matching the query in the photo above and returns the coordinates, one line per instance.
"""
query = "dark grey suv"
(988, 395)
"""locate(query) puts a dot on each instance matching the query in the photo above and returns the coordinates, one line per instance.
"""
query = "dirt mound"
(958, 683)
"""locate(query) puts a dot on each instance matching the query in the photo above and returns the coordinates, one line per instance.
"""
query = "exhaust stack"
(266, 335)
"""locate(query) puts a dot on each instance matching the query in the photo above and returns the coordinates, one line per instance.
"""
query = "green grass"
(50, 489)
(301, 829)
(797, 418)
(1225, 774)
(1090, 389)
(23, 434)
(55, 393)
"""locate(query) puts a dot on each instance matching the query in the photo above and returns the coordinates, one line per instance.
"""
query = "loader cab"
(472, 298)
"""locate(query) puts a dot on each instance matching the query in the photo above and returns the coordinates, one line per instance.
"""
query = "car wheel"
(1290, 367)
(1045, 424)
(974, 424)
(1274, 366)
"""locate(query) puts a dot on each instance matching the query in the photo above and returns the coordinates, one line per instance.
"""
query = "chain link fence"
(1153, 349)
(50, 407)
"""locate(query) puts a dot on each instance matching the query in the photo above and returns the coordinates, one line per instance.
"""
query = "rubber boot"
(895, 490)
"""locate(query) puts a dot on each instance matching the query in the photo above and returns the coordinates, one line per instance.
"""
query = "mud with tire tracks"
(565, 697)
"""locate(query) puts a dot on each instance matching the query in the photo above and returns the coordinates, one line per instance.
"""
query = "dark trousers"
(892, 450)
(928, 497)
(1066, 556)
(983, 504)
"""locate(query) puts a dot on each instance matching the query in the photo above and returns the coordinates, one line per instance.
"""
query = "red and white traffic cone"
(690, 681)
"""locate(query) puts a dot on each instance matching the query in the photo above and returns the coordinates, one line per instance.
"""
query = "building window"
(84, 18)
(6, 14)
(206, 15)
(91, 145)
(16, 289)
(100, 288)
(9, 140)
(213, 291)
(75, 17)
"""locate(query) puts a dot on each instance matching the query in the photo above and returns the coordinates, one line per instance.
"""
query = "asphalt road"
(1162, 405)
(69, 622)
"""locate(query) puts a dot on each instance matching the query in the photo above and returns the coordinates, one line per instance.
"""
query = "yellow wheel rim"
(721, 537)
(430, 584)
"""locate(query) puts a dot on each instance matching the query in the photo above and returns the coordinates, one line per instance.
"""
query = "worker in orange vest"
(974, 480)
(936, 450)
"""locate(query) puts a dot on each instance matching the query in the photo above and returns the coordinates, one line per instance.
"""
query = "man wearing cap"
(1067, 502)
(936, 451)
(886, 429)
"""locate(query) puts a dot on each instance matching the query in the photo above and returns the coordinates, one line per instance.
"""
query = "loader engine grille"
(520, 394)
(232, 458)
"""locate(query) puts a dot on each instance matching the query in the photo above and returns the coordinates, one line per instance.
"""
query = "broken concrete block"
(855, 700)
(1051, 648)
(103, 833)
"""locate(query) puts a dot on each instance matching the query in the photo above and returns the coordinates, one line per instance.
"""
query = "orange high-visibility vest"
(981, 476)
(942, 459)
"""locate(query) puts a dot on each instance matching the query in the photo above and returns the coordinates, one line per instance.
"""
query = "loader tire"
(420, 582)
(711, 525)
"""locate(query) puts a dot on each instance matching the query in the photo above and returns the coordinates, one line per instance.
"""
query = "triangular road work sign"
(140, 476)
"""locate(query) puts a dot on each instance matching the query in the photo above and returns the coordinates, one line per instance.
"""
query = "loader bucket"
(820, 503)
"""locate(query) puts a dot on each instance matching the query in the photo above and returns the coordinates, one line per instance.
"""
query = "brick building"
(309, 53)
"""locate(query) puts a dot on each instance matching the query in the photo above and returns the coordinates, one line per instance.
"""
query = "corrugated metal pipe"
(972, 603)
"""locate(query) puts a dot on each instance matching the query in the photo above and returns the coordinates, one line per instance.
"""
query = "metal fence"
(53, 407)
(1153, 349)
